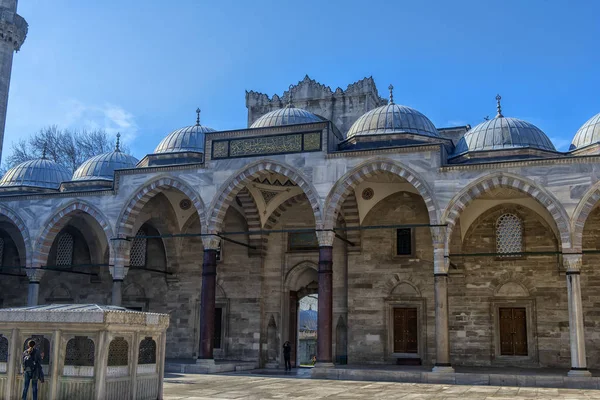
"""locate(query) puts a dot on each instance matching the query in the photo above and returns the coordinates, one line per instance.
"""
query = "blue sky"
(143, 66)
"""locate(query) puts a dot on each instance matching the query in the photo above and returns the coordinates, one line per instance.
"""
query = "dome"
(392, 118)
(503, 133)
(103, 166)
(41, 173)
(289, 115)
(190, 138)
(589, 133)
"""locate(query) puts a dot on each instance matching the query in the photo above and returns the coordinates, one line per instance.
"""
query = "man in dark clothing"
(287, 352)
(32, 364)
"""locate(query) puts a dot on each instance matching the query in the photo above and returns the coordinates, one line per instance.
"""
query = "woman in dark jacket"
(287, 352)
(32, 365)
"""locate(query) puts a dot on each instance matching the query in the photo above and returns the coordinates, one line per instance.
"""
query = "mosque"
(440, 246)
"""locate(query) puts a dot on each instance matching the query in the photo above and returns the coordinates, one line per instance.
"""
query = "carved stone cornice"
(13, 28)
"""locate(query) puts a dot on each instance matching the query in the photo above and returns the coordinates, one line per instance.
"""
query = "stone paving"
(200, 387)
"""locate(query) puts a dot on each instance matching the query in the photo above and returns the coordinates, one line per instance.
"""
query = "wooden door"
(513, 332)
(405, 330)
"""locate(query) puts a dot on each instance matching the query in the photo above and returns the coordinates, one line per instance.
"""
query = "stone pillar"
(118, 271)
(33, 292)
(101, 364)
(161, 364)
(572, 263)
(54, 372)
(13, 30)
(440, 276)
(325, 309)
(207, 305)
(14, 365)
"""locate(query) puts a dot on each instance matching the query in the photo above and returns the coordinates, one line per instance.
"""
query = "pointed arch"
(59, 220)
(16, 220)
(501, 179)
(583, 210)
(346, 184)
(252, 216)
(229, 190)
(297, 270)
(137, 202)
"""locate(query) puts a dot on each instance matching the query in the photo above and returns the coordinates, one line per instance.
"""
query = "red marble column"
(325, 314)
(207, 307)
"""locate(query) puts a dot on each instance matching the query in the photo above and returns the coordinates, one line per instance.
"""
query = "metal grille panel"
(147, 351)
(118, 352)
(509, 234)
(64, 250)
(138, 249)
(3, 349)
(80, 352)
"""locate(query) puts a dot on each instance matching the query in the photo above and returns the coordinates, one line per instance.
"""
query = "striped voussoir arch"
(350, 214)
(59, 221)
(486, 184)
(273, 219)
(20, 225)
(345, 186)
(582, 212)
(252, 216)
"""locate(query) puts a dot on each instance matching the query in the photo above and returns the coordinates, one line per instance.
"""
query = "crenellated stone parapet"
(13, 28)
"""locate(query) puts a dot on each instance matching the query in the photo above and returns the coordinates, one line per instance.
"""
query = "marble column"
(325, 306)
(33, 291)
(207, 305)
(572, 263)
(440, 276)
(118, 271)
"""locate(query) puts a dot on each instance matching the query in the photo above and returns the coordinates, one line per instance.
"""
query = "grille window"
(64, 250)
(509, 235)
(118, 352)
(80, 352)
(404, 242)
(138, 249)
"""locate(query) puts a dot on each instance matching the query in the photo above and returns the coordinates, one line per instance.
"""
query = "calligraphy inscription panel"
(265, 145)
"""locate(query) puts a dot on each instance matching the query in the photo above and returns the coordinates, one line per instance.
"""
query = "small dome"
(190, 138)
(288, 115)
(393, 118)
(589, 133)
(103, 166)
(504, 133)
(40, 173)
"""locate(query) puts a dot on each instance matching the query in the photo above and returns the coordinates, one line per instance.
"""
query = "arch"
(297, 271)
(134, 291)
(60, 294)
(228, 191)
(56, 223)
(252, 216)
(512, 289)
(582, 212)
(16, 220)
(512, 278)
(405, 289)
(137, 202)
(344, 186)
(501, 179)
(401, 279)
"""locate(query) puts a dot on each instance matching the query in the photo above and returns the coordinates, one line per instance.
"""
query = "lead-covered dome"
(289, 115)
(103, 166)
(589, 133)
(502, 133)
(393, 118)
(190, 138)
(38, 173)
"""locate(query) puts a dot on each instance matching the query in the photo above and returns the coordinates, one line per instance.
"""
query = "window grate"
(80, 352)
(138, 249)
(118, 352)
(147, 351)
(509, 235)
(64, 249)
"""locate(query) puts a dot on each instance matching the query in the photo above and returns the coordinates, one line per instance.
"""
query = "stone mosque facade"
(426, 245)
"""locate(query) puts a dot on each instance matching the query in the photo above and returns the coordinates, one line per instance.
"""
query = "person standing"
(287, 352)
(31, 363)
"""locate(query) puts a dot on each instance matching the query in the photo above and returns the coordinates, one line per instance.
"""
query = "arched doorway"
(306, 344)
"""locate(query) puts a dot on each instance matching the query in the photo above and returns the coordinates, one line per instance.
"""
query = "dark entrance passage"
(405, 330)
(513, 332)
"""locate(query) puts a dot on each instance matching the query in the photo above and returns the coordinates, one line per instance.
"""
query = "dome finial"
(198, 116)
(44, 150)
(391, 89)
(117, 147)
(498, 106)
(291, 97)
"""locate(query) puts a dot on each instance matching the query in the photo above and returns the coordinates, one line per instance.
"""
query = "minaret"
(13, 30)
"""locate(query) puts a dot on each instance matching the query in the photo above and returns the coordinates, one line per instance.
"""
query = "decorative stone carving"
(268, 195)
(325, 238)
(34, 274)
(572, 262)
(118, 352)
(211, 242)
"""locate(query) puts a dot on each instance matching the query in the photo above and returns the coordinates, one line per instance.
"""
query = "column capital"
(34, 274)
(211, 242)
(325, 238)
(118, 272)
(572, 262)
(438, 235)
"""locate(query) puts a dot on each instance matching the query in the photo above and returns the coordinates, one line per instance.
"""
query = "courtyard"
(235, 386)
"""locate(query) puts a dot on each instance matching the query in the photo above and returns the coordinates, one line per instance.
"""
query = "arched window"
(80, 352)
(509, 235)
(139, 245)
(64, 249)
(42, 344)
(3, 349)
(118, 352)
(147, 351)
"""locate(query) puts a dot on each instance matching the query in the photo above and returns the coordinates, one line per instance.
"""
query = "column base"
(324, 365)
(206, 362)
(443, 369)
(579, 372)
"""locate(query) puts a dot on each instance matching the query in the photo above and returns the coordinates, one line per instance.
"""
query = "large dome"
(190, 138)
(289, 115)
(589, 133)
(39, 173)
(103, 166)
(393, 118)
